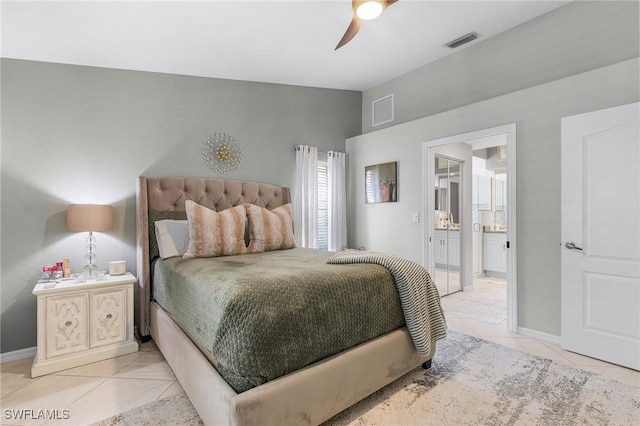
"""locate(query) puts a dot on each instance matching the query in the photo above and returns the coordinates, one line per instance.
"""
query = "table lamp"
(89, 218)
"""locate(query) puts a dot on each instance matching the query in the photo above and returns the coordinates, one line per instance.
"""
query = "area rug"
(171, 411)
(471, 382)
(490, 307)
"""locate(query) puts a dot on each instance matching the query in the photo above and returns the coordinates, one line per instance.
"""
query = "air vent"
(382, 110)
(463, 40)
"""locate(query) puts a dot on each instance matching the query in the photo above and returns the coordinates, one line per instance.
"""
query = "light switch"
(416, 217)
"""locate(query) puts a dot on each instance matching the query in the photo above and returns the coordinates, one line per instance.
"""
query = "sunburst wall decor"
(222, 153)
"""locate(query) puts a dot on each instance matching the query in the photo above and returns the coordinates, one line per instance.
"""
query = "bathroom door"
(601, 234)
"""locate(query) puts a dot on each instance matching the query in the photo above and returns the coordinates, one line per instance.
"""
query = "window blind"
(323, 206)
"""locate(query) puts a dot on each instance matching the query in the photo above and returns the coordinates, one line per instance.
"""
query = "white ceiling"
(289, 42)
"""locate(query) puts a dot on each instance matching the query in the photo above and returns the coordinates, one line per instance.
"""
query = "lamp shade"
(89, 217)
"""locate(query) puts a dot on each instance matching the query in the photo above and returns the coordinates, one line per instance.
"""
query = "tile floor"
(91, 392)
(96, 391)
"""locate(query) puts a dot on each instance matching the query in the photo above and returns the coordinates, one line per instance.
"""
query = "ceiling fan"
(363, 10)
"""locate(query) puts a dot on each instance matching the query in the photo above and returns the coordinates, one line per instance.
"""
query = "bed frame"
(307, 396)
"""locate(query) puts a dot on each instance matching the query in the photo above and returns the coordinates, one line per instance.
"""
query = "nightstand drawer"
(108, 317)
(67, 324)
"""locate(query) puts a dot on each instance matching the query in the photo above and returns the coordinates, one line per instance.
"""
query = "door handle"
(571, 246)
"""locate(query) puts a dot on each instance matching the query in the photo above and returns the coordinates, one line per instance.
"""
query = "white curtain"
(305, 197)
(337, 200)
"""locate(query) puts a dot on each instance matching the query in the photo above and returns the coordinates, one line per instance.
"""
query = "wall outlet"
(416, 217)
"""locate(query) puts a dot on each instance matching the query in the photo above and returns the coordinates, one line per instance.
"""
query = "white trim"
(427, 179)
(16, 355)
(512, 264)
(486, 137)
(550, 338)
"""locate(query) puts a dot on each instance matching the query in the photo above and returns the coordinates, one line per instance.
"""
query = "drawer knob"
(68, 323)
(109, 316)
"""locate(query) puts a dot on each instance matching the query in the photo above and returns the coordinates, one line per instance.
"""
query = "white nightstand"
(80, 323)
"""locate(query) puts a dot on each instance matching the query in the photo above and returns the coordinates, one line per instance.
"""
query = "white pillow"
(172, 237)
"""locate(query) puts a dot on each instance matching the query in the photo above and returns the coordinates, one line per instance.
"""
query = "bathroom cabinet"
(495, 253)
(446, 241)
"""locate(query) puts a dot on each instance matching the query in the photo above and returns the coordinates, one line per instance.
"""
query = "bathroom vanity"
(495, 253)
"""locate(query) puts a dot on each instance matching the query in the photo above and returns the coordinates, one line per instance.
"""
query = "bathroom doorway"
(500, 193)
(487, 300)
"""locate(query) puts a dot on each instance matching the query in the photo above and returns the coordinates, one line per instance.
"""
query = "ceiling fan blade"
(387, 3)
(350, 33)
(356, 22)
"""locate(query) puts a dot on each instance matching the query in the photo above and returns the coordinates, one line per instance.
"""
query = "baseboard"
(495, 274)
(556, 340)
(16, 355)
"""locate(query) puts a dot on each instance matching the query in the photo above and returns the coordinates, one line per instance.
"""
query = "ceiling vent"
(382, 110)
(462, 40)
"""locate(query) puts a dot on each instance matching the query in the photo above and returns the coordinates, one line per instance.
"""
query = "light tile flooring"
(90, 393)
(96, 391)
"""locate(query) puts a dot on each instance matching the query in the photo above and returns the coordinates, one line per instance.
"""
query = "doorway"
(488, 300)
(464, 145)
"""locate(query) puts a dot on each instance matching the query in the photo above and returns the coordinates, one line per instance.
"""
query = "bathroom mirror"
(485, 184)
(501, 192)
(445, 243)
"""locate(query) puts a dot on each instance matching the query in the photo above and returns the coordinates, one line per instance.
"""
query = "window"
(323, 206)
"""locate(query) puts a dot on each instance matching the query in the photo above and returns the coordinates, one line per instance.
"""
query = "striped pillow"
(215, 233)
(270, 230)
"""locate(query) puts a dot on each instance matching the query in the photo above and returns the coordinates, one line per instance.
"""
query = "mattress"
(260, 316)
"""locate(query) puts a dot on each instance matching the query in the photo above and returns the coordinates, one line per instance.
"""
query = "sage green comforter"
(267, 314)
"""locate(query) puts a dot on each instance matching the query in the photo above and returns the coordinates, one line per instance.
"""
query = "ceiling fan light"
(369, 10)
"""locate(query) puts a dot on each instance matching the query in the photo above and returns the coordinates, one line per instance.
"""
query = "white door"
(601, 234)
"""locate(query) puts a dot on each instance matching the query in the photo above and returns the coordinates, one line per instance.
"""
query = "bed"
(227, 386)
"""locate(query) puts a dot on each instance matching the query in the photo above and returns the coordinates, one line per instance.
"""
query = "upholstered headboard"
(170, 194)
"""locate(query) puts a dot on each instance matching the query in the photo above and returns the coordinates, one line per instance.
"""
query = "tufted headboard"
(170, 194)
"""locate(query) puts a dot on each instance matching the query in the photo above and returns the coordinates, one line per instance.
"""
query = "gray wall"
(537, 112)
(578, 58)
(581, 36)
(75, 134)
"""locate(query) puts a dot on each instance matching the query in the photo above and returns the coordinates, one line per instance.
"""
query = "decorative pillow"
(215, 233)
(154, 216)
(172, 237)
(270, 230)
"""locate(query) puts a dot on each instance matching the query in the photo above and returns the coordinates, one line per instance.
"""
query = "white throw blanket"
(419, 296)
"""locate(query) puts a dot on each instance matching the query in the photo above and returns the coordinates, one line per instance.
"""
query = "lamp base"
(91, 270)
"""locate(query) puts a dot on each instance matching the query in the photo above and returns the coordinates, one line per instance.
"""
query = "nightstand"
(81, 323)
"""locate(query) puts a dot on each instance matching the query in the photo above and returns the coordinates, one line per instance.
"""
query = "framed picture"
(381, 183)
